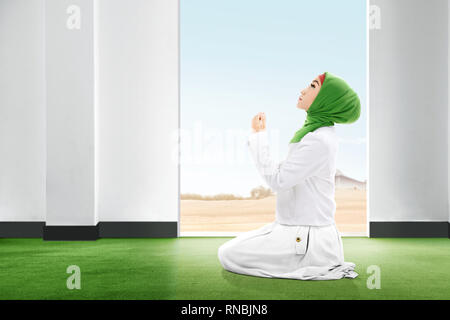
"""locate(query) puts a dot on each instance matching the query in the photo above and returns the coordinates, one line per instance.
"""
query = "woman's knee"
(223, 253)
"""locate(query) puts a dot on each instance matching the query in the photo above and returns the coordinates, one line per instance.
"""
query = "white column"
(70, 88)
(138, 110)
(448, 115)
(408, 112)
(22, 112)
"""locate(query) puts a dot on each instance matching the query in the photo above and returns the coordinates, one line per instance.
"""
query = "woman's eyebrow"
(316, 81)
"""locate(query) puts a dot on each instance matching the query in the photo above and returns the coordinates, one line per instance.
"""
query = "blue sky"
(242, 57)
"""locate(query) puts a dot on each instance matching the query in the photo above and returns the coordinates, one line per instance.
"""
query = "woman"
(303, 242)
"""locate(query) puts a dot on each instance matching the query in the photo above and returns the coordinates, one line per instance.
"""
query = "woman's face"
(309, 94)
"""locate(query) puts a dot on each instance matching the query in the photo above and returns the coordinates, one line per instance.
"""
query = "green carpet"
(188, 268)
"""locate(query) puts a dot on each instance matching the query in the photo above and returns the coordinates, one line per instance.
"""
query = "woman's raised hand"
(259, 122)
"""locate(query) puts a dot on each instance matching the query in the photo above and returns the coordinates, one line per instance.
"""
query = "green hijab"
(336, 102)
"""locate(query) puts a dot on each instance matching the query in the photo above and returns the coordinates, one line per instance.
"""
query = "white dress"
(303, 242)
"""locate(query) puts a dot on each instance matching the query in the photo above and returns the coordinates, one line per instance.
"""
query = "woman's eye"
(313, 86)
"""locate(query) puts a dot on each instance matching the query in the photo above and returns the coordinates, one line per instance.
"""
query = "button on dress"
(303, 242)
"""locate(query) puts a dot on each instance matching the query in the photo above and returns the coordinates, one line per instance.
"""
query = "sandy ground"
(246, 215)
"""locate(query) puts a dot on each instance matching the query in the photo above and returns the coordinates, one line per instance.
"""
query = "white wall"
(408, 112)
(409, 83)
(138, 110)
(22, 111)
(137, 98)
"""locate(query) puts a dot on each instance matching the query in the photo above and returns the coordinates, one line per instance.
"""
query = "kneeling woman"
(303, 241)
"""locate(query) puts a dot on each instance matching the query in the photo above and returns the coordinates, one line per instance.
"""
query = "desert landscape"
(248, 214)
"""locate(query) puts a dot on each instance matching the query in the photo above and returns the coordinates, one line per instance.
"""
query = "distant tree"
(220, 196)
(255, 194)
(260, 192)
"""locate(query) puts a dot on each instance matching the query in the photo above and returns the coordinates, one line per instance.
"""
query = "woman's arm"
(304, 161)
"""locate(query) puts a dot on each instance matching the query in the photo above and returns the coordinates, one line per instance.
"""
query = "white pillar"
(138, 116)
(71, 109)
(408, 119)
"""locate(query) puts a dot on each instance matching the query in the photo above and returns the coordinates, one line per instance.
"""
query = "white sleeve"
(305, 160)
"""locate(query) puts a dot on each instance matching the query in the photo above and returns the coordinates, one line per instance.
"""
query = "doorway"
(237, 59)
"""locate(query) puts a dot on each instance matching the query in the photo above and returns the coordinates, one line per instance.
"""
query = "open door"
(238, 59)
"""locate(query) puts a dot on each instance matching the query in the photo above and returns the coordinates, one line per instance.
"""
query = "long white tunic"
(303, 241)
